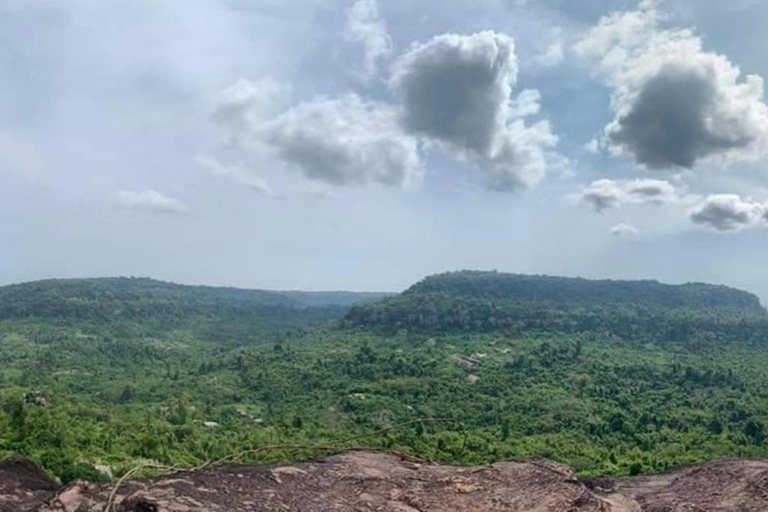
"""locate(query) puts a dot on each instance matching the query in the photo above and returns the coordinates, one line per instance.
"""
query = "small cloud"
(236, 174)
(554, 52)
(603, 194)
(593, 146)
(364, 25)
(151, 201)
(728, 213)
(247, 103)
(622, 230)
(527, 103)
(561, 167)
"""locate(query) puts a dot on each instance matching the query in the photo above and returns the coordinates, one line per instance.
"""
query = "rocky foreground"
(368, 481)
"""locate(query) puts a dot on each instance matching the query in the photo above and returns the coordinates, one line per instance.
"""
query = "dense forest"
(146, 307)
(515, 304)
(611, 377)
(578, 292)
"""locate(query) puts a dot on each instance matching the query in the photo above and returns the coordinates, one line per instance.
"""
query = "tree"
(17, 413)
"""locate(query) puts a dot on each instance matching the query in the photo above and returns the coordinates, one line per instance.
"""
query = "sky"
(362, 145)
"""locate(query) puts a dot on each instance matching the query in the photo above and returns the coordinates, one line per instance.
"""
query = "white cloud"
(236, 174)
(622, 230)
(456, 91)
(593, 146)
(456, 94)
(365, 26)
(675, 104)
(246, 103)
(150, 200)
(603, 194)
(527, 103)
(344, 141)
(729, 212)
(554, 52)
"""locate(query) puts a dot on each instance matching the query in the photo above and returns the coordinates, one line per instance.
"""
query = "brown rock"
(362, 481)
(23, 485)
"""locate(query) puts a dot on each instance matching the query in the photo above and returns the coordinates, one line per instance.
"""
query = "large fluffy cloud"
(365, 26)
(149, 200)
(729, 212)
(675, 104)
(456, 91)
(344, 141)
(603, 194)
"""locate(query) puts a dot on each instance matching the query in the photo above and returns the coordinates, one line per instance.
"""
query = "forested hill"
(142, 300)
(565, 291)
(487, 301)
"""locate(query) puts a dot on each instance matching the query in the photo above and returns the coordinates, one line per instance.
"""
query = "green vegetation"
(517, 305)
(464, 367)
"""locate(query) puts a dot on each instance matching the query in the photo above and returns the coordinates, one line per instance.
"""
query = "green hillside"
(465, 367)
(471, 301)
(143, 307)
(578, 292)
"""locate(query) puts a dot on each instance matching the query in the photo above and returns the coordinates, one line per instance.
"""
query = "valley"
(609, 378)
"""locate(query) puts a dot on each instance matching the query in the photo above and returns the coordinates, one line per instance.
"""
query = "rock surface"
(369, 481)
(23, 486)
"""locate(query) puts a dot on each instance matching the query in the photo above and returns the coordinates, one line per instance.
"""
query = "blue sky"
(361, 145)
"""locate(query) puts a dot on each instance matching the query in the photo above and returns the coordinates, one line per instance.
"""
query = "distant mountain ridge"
(481, 301)
(580, 292)
(449, 302)
(142, 300)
